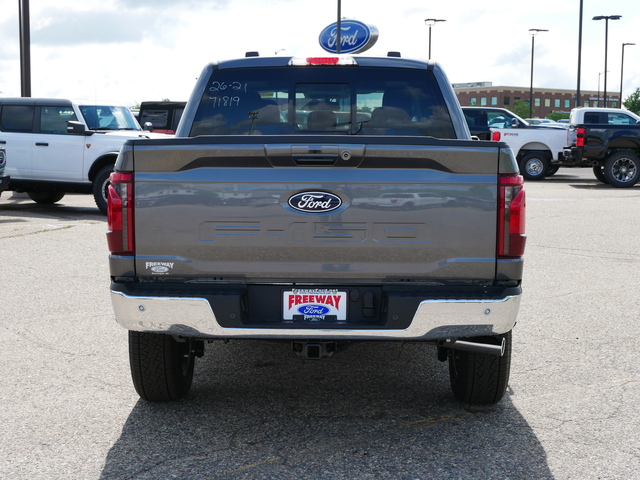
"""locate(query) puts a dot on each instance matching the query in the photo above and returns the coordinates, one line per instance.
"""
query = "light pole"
(431, 22)
(622, 70)
(578, 93)
(606, 19)
(533, 32)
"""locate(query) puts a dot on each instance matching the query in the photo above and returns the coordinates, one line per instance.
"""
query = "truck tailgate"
(228, 211)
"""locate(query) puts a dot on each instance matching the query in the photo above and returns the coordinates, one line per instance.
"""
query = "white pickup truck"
(535, 148)
(57, 146)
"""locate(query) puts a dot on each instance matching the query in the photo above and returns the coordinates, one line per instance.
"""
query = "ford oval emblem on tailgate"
(315, 202)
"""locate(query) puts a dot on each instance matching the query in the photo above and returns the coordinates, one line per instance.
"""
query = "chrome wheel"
(534, 166)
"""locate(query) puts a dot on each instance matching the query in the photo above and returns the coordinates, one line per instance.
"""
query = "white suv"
(57, 146)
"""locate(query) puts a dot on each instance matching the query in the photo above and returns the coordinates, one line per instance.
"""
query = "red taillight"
(495, 136)
(581, 134)
(511, 216)
(120, 214)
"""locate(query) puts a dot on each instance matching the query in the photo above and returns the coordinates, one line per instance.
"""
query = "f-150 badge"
(315, 202)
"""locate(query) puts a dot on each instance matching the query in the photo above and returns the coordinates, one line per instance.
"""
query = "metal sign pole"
(25, 49)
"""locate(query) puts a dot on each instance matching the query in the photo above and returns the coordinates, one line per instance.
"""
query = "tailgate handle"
(315, 154)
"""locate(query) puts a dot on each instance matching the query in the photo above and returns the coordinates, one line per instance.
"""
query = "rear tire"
(534, 166)
(622, 170)
(101, 187)
(161, 367)
(480, 378)
(552, 170)
(46, 198)
(598, 171)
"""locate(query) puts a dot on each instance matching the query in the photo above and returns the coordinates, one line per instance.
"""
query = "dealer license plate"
(315, 305)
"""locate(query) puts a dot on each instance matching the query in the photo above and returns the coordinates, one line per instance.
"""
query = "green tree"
(555, 116)
(632, 103)
(520, 108)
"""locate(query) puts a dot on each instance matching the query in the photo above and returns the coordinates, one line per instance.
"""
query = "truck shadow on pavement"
(376, 411)
(580, 182)
(71, 205)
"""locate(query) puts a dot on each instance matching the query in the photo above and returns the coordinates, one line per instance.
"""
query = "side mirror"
(148, 126)
(77, 128)
(515, 123)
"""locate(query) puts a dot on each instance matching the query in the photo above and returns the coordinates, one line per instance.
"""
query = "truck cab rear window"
(323, 100)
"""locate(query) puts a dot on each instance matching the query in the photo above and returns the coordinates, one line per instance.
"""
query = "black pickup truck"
(608, 140)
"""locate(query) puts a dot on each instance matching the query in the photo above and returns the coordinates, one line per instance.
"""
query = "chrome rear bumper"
(433, 320)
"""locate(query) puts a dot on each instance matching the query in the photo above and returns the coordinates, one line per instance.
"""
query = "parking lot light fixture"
(431, 22)
(533, 32)
(622, 70)
(606, 19)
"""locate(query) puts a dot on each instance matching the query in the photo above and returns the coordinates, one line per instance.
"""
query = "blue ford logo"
(313, 310)
(315, 202)
(355, 37)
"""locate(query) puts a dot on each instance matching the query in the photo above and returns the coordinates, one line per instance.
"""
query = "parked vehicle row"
(59, 146)
(535, 146)
(605, 139)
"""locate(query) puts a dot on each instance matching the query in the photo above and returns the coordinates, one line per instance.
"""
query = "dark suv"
(482, 119)
(163, 116)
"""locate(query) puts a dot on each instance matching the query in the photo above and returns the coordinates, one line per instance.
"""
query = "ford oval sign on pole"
(355, 37)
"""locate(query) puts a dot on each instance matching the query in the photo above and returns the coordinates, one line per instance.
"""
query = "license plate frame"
(315, 305)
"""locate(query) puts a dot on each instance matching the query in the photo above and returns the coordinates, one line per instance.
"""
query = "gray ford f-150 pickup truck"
(263, 219)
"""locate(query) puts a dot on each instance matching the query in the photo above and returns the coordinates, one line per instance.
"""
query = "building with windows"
(545, 100)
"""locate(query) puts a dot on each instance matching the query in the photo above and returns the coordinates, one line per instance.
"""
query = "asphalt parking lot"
(376, 411)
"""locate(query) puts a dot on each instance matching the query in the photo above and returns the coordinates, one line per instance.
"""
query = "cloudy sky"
(137, 50)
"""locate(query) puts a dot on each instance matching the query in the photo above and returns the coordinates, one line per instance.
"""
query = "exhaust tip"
(488, 348)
